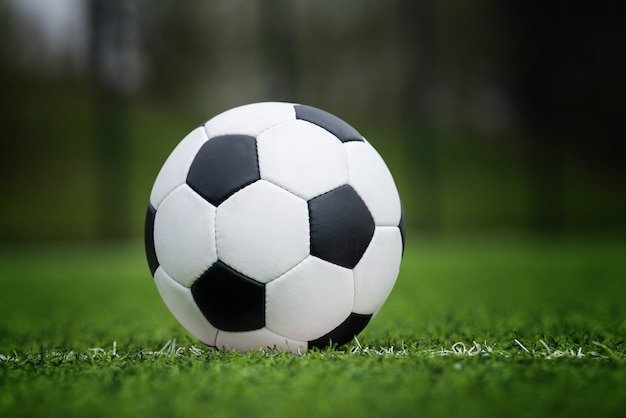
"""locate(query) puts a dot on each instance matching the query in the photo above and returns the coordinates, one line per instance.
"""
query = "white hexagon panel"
(303, 158)
(184, 235)
(376, 273)
(262, 231)
(309, 300)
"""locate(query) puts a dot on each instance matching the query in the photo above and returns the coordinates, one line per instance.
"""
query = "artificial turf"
(474, 327)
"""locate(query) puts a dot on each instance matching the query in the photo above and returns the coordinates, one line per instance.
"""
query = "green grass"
(475, 327)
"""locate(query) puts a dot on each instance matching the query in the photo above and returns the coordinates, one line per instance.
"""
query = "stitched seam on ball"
(353, 289)
(345, 150)
(280, 122)
(168, 194)
(217, 255)
(280, 186)
(277, 278)
(272, 126)
(266, 305)
(282, 336)
(256, 149)
(387, 225)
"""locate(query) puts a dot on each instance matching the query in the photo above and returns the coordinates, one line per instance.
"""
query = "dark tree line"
(415, 66)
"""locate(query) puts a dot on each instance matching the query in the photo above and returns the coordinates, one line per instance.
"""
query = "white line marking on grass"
(460, 349)
(457, 349)
(522, 345)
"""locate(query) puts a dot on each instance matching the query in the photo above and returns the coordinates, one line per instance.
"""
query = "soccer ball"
(274, 225)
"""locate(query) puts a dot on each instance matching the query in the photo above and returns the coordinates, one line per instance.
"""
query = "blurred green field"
(502, 326)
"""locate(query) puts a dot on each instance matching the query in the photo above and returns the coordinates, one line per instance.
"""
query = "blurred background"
(494, 117)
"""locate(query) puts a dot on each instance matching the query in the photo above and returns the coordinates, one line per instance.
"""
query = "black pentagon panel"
(341, 226)
(345, 332)
(402, 227)
(222, 166)
(153, 263)
(229, 300)
(328, 121)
